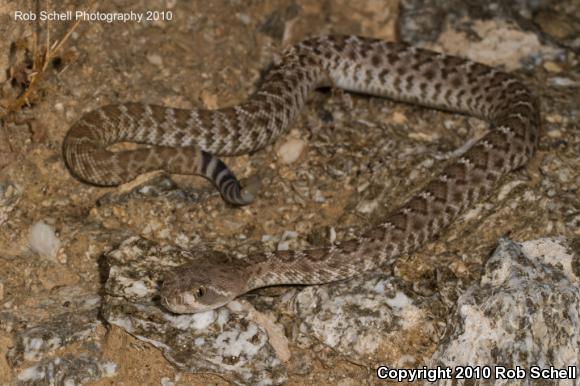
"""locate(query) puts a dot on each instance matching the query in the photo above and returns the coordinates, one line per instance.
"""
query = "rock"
(399, 118)
(285, 239)
(360, 318)
(275, 331)
(155, 59)
(67, 370)
(528, 291)
(358, 154)
(552, 67)
(44, 334)
(503, 44)
(36, 342)
(43, 240)
(209, 99)
(218, 341)
(9, 198)
(290, 150)
(524, 312)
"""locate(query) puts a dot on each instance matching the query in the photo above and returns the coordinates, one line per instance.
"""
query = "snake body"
(187, 141)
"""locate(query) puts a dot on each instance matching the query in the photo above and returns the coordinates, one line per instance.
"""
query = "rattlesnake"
(185, 141)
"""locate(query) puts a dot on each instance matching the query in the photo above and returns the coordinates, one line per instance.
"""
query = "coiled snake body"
(187, 141)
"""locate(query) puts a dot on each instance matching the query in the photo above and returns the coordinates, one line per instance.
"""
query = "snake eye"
(200, 292)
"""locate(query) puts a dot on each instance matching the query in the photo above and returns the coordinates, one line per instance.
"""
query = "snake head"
(200, 287)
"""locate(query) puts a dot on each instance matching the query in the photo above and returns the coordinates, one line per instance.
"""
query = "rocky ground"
(80, 265)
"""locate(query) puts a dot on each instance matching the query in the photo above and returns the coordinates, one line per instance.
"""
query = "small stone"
(43, 240)
(319, 197)
(155, 59)
(332, 235)
(276, 336)
(449, 124)
(166, 381)
(561, 81)
(554, 118)
(552, 67)
(209, 100)
(244, 18)
(367, 206)
(284, 243)
(290, 151)
(424, 137)
(399, 118)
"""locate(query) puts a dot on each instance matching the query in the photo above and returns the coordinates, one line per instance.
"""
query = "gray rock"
(36, 342)
(58, 321)
(9, 198)
(524, 312)
(218, 341)
(359, 317)
(68, 370)
(530, 310)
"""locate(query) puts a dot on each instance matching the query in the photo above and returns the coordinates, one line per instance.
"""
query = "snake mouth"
(187, 304)
(169, 297)
(167, 305)
(178, 303)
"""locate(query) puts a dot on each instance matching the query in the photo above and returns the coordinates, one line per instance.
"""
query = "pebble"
(290, 151)
(244, 18)
(562, 82)
(209, 100)
(155, 59)
(319, 197)
(43, 240)
(399, 118)
(332, 235)
(284, 243)
(554, 118)
(424, 137)
(166, 381)
(552, 67)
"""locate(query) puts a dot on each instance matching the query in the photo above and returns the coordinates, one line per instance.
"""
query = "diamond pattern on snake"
(189, 142)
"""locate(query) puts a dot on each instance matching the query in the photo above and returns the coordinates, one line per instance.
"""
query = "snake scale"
(188, 141)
